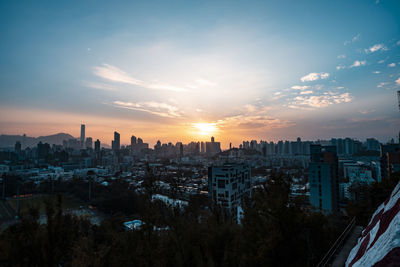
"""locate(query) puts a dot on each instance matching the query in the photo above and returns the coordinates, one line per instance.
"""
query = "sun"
(203, 128)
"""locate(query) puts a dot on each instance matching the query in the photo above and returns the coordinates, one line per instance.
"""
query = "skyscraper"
(82, 135)
(116, 143)
(324, 184)
(97, 146)
(213, 148)
(89, 143)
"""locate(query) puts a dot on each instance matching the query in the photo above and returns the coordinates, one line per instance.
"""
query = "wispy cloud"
(313, 76)
(376, 72)
(382, 84)
(366, 111)
(341, 56)
(358, 63)
(152, 107)
(306, 92)
(375, 48)
(392, 65)
(398, 81)
(355, 38)
(205, 82)
(114, 74)
(100, 86)
(340, 67)
(381, 61)
(300, 87)
(321, 101)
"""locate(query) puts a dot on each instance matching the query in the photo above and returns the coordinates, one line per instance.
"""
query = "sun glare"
(205, 128)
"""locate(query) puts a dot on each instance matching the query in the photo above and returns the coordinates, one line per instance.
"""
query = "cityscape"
(212, 133)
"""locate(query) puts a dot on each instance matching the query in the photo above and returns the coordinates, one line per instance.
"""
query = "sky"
(188, 70)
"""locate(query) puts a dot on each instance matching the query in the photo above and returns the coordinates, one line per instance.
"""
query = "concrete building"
(82, 135)
(323, 173)
(89, 143)
(97, 146)
(212, 148)
(385, 151)
(116, 143)
(229, 185)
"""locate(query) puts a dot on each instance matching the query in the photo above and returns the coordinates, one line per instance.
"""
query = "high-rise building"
(385, 151)
(17, 147)
(213, 148)
(323, 177)
(116, 144)
(373, 144)
(82, 135)
(202, 148)
(89, 143)
(97, 146)
(229, 185)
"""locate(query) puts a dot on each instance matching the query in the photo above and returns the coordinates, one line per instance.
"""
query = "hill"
(10, 140)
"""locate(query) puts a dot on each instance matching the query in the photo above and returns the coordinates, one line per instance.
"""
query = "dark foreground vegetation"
(275, 231)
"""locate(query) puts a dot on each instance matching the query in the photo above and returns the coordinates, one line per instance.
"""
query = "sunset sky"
(186, 70)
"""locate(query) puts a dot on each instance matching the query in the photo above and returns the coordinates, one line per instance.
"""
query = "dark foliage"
(274, 232)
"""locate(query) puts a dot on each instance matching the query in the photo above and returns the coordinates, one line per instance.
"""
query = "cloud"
(341, 56)
(253, 117)
(376, 72)
(321, 101)
(381, 61)
(100, 86)
(339, 67)
(398, 81)
(366, 111)
(313, 76)
(300, 87)
(375, 48)
(205, 82)
(152, 107)
(306, 92)
(358, 63)
(112, 73)
(382, 84)
(244, 121)
(398, 42)
(355, 38)
(392, 65)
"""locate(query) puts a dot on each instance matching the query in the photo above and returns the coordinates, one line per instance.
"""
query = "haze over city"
(179, 71)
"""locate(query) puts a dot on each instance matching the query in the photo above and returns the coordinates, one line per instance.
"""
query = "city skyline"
(186, 72)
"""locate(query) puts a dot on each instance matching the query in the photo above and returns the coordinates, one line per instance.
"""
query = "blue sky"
(252, 69)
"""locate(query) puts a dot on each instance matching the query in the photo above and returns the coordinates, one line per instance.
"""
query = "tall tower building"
(82, 135)
(116, 143)
(97, 146)
(89, 143)
(133, 143)
(324, 184)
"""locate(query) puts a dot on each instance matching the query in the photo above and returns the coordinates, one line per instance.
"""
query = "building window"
(221, 183)
(234, 186)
